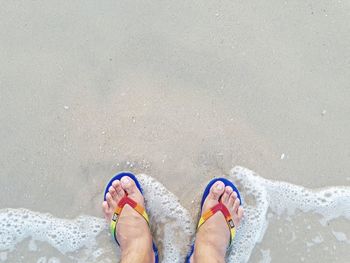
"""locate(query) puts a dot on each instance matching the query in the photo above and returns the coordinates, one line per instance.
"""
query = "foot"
(213, 236)
(132, 230)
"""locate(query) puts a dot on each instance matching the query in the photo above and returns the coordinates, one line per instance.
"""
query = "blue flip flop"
(217, 208)
(126, 200)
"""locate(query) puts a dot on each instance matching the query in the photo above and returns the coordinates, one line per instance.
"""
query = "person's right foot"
(213, 236)
(133, 232)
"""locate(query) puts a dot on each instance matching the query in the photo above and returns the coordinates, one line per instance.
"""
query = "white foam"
(341, 237)
(166, 210)
(173, 234)
(42, 260)
(65, 235)
(51, 260)
(172, 223)
(280, 197)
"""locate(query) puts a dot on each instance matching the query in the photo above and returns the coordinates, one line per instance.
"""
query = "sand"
(182, 91)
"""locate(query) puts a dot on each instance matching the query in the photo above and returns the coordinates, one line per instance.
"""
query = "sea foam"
(63, 234)
(70, 235)
(171, 223)
(280, 197)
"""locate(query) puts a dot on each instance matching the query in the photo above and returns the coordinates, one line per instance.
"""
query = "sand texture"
(182, 91)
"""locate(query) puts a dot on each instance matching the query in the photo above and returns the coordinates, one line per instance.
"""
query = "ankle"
(139, 250)
(212, 241)
(137, 256)
(208, 252)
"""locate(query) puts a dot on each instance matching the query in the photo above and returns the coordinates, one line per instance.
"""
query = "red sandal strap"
(220, 207)
(126, 201)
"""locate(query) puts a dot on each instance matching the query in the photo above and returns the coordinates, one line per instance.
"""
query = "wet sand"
(180, 91)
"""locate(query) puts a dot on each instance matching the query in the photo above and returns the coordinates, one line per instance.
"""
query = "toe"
(236, 205)
(228, 190)
(238, 217)
(112, 191)
(226, 195)
(216, 190)
(105, 207)
(106, 210)
(232, 199)
(118, 188)
(240, 213)
(128, 185)
(111, 202)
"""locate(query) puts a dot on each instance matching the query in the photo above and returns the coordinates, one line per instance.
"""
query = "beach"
(182, 92)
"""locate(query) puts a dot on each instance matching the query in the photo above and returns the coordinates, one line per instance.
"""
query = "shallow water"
(181, 91)
(285, 206)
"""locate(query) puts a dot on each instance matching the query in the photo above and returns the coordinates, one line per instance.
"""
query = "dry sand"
(182, 91)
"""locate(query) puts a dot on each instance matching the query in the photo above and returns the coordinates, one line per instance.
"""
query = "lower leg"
(207, 248)
(213, 236)
(206, 254)
(138, 250)
(132, 230)
(137, 255)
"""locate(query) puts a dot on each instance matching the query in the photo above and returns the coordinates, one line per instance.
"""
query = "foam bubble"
(341, 237)
(41, 260)
(51, 260)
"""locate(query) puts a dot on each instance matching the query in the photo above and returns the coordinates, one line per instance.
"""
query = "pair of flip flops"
(141, 210)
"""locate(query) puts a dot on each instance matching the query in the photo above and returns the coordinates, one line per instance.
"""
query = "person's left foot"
(213, 236)
(132, 229)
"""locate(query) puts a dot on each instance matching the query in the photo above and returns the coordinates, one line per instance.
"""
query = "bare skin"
(213, 236)
(135, 237)
(133, 232)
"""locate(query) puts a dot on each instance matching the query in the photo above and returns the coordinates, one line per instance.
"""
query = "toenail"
(125, 180)
(219, 186)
